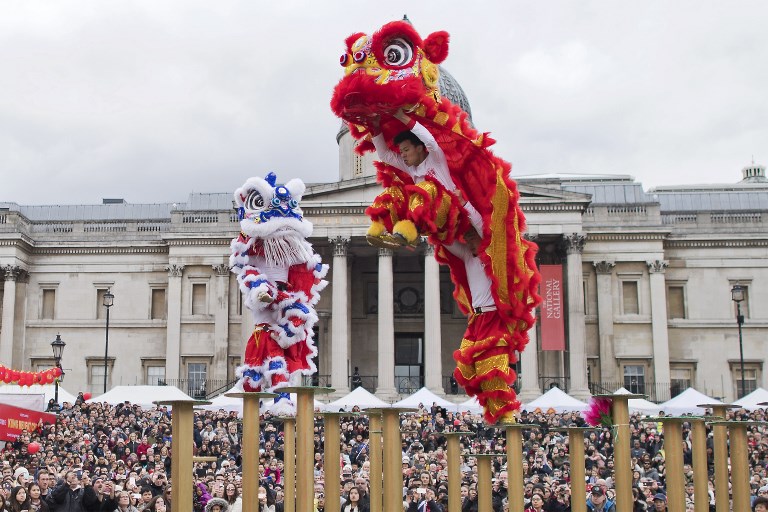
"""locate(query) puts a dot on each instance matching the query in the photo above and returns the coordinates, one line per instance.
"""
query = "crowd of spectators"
(99, 457)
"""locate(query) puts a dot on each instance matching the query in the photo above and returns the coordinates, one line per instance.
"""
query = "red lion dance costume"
(395, 69)
(281, 278)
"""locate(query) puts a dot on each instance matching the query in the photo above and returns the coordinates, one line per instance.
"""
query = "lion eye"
(398, 52)
(254, 201)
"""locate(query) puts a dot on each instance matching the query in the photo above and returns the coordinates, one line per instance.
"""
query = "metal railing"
(655, 391)
(198, 389)
(547, 382)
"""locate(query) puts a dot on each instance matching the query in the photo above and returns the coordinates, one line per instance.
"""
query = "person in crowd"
(660, 502)
(598, 501)
(70, 496)
(217, 505)
(18, 500)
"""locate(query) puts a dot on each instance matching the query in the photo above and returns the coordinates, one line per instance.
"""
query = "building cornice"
(176, 242)
(161, 249)
(551, 207)
(714, 244)
(625, 237)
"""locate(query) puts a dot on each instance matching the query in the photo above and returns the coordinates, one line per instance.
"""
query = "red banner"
(15, 419)
(552, 317)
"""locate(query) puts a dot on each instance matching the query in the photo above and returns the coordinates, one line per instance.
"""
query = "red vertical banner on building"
(552, 316)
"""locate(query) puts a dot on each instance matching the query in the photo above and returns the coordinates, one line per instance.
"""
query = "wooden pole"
(305, 447)
(250, 447)
(392, 460)
(700, 472)
(737, 431)
(484, 487)
(719, 411)
(515, 478)
(673, 458)
(621, 453)
(289, 464)
(182, 420)
(374, 433)
(332, 456)
(578, 473)
(393, 475)
(453, 456)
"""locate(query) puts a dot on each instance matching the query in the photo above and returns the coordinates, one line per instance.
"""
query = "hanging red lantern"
(57, 372)
(87, 396)
(49, 378)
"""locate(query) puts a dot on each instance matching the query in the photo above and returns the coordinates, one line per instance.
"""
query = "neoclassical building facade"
(646, 288)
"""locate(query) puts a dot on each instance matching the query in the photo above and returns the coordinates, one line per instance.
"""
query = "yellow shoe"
(376, 230)
(508, 418)
(406, 230)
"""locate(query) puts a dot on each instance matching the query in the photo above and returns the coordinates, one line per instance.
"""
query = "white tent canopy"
(471, 405)
(557, 400)
(639, 405)
(750, 401)
(360, 397)
(227, 403)
(425, 397)
(686, 403)
(49, 390)
(141, 395)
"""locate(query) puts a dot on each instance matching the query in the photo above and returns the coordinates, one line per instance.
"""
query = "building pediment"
(364, 189)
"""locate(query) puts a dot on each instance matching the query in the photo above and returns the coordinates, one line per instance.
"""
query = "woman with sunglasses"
(233, 498)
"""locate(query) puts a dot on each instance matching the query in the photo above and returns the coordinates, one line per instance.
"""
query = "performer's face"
(412, 155)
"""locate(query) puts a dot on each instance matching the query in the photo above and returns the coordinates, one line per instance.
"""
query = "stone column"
(577, 359)
(173, 338)
(386, 350)
(339, 317)
(529, 367)
(10, 273)
(661, 373)
(221, 322)
(433, 344)
(604, 271)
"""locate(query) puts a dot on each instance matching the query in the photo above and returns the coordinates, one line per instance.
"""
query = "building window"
(48, 310)
(95, 367)
(634, 378)
(196, 379)
(199, 299)
(158, 307)
(409, 362)
(676, 301)
(358, 167)
(155, 375)
(680, 379)
(750, 379)
(97, 377)
(629, 298)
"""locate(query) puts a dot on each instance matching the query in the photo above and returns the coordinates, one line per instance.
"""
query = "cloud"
(151, 100)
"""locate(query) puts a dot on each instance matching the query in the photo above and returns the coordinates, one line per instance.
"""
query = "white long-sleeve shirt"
(435, 165)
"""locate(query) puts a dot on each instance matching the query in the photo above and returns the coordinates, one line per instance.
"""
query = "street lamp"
(109, 300)
(57, 346)
(737, 296)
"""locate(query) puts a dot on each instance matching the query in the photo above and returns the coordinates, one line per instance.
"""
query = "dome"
(449, 88)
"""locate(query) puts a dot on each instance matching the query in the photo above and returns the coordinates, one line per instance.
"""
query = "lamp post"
(57, 346)
(109, 300)
(737, 295)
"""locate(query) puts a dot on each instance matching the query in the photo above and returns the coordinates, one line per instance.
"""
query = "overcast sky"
(151, 100)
